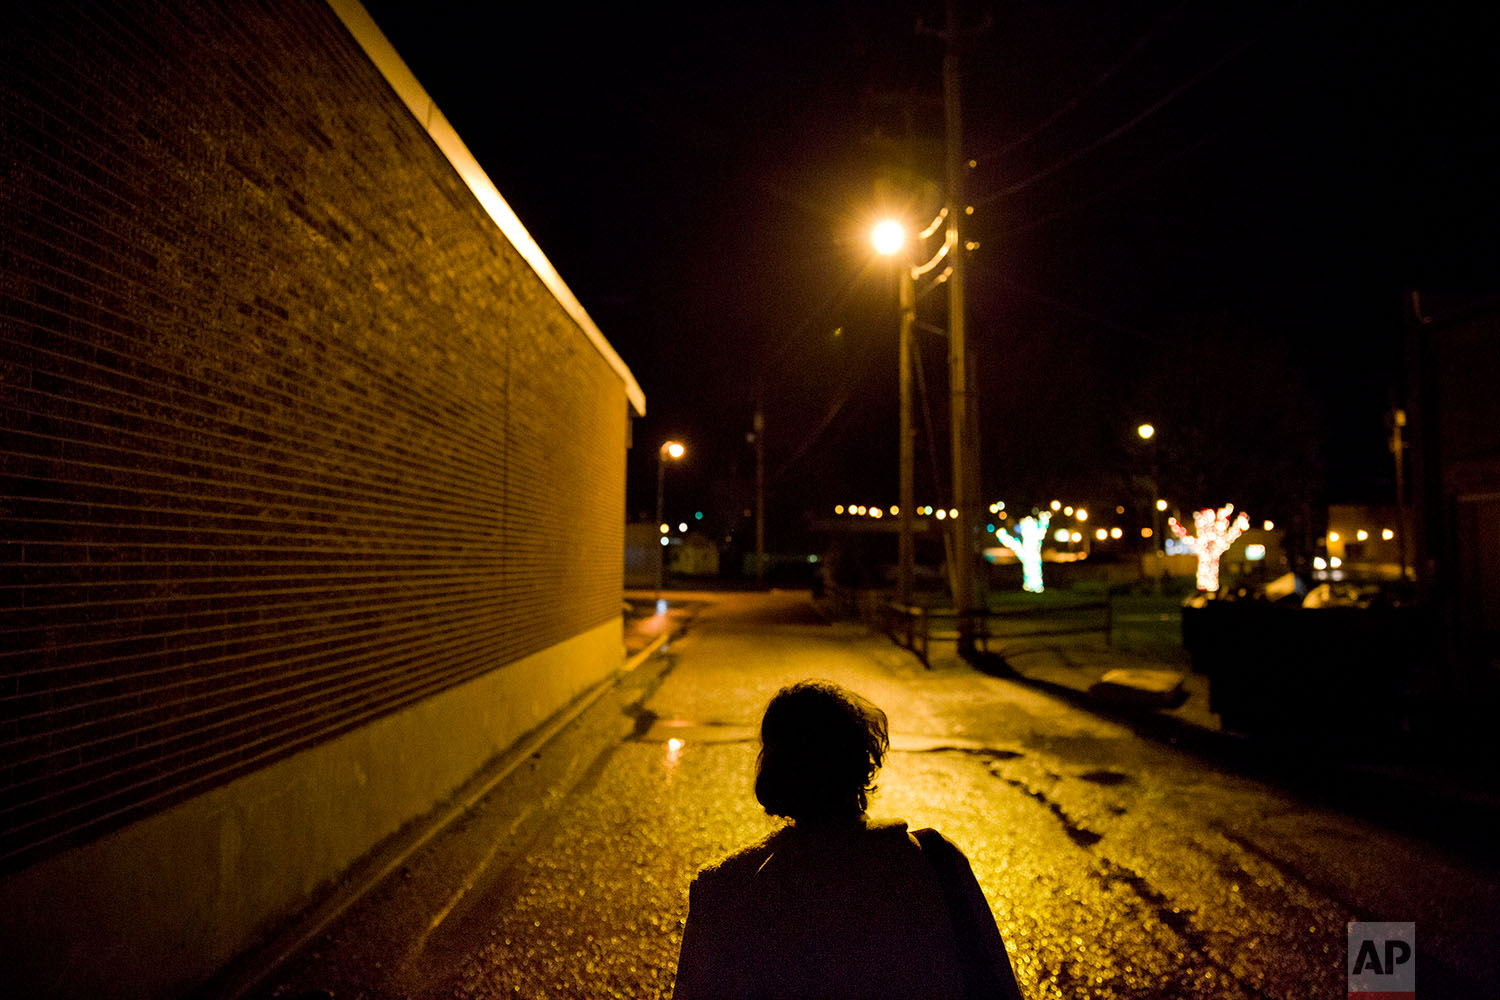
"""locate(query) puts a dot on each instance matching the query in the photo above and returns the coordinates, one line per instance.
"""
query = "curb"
(244, 976)
(639, 658)
(1397, 797)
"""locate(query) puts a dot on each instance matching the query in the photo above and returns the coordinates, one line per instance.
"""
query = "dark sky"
(1198, 213)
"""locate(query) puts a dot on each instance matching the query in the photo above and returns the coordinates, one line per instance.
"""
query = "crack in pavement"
(1178, 920)
(1077, 833)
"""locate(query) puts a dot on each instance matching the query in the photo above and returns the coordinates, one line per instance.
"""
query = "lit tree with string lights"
(1028, 548)
(1215, 533)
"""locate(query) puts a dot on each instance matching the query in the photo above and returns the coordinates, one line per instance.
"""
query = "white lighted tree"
(1215, 533)
(1028, 548)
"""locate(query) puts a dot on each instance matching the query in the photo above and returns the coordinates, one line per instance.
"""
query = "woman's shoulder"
(930, 839)
(742, 863)
(871, 841)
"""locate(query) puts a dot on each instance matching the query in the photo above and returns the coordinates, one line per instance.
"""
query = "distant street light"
(672, 450)
(1147, 433)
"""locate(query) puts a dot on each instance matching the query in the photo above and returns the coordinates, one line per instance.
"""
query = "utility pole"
(899, 249)
(965, 456)
(906, 489)
(1398, 447)
(759, 433)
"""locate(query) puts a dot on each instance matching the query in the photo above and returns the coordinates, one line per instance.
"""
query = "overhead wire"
(920, 369)
(843, 394)
(1081, 313)
(1094, 198)
(1116, 188)
(1098, 81)
(1108, 192)
(1077, 311)
(1115, 133)
(845, 387)
(834, 409)
(832, 301)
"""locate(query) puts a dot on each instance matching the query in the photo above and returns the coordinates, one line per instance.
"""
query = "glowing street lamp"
(669, 451)
(889, 237)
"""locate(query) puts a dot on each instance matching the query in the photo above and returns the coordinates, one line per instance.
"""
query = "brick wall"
(292, 436)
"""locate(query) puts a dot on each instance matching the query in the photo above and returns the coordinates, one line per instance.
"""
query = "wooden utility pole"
(1398, 447)
(760, 492)
(965, 455)
(906, 489)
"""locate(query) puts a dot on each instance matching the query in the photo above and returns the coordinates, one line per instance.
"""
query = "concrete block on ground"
(1141, 688)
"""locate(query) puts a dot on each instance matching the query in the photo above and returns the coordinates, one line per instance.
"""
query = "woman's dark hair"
(820, 747)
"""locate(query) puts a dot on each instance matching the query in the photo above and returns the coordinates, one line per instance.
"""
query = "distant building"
(642, 550)
(1453, 470)
(298, 431)
(696, 556)
(1363, 542)
(1257, 556)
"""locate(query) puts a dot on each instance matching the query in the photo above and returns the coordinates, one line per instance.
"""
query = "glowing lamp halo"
(888, 237)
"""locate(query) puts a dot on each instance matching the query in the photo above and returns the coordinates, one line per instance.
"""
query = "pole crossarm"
(937, 282)
(937, 258)
(935, 224)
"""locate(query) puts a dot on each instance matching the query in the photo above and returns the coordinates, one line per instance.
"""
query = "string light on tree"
(1215, 533)
(1028, 549)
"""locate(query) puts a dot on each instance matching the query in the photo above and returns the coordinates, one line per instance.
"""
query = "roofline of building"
(390, 64)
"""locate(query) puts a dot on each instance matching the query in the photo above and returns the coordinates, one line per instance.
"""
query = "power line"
(1130, 53)
(1115, 133)
(1081, 313)
(1115, 189)
(920, 369)
(834, 409)
(1102, 194)
(832, 301)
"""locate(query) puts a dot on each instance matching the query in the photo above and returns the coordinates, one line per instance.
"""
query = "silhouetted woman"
(836, 905)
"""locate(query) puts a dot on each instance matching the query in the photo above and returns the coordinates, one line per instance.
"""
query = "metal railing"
(916, 627)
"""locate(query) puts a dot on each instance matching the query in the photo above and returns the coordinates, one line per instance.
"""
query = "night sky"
(1204, 215)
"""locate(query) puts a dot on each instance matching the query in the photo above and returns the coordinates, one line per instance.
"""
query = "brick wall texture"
(292, 436)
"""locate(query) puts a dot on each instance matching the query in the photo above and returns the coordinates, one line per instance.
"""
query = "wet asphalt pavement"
(1117, 866)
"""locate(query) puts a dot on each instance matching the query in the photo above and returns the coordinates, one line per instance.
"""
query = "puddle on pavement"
(686, 731)
(909, 743)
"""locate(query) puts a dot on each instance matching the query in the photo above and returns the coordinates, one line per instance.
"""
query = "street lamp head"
(1146, 431)
(672, 449)
(889, 237)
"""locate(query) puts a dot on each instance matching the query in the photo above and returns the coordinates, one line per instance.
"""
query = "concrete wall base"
(154, 909)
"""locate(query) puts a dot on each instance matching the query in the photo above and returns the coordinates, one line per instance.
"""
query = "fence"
(916, 626)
